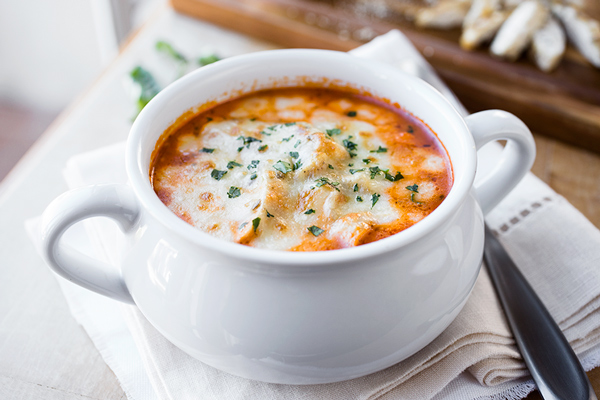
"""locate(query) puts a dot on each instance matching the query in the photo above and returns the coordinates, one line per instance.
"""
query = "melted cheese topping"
(302, 169)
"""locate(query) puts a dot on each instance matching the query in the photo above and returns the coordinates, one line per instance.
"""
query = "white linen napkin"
(556, 248)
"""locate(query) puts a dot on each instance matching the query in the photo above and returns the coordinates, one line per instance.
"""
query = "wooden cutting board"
(564, 104)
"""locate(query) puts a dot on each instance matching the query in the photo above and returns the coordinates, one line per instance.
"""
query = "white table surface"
(44, 353)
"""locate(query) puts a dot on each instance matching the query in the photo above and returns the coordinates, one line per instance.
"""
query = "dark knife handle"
(549, 357)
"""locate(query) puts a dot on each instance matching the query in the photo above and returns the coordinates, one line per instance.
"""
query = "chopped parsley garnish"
(297, 144)
(334, 131)
(234, 192)
(166, 48)
(330, 166)
(253, 164)
(366, 161)
(252, 119)
(355, 187)
(206, 150)
(255, 223)
(325, 181)
(242, 226)
(374, 171)
(240, 149)
(351, 165)
(290, 123)
(315, 230)
(359, 199)
(414, 189)
(351, 113)
(353, 171)
(263, 147)
(265, 133)
(309, 211)
(379, 150)
(374, 198)
(253, 177)
(393, 178)
(297, 165)
(287, 139)
(410, 129)
(217, 174)
(269, 215)
(248, 140)
(283, 166)
(212, 58)
(233, 164)
(350, 146)
(294, 154)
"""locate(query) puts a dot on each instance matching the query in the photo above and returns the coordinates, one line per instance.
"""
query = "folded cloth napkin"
(555, 247)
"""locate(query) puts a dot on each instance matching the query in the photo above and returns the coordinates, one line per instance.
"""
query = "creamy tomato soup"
(302, 169)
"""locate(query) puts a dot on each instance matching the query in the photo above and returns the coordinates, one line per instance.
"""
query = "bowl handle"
(114, 201)
(516, 159)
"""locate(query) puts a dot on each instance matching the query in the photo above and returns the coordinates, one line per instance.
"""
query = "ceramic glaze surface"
(284, 317)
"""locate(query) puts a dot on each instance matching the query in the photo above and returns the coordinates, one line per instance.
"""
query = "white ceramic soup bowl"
(288, 317)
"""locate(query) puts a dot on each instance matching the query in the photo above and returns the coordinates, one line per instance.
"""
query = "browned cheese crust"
(302, 169)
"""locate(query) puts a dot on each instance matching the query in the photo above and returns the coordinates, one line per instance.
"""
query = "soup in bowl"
(376, 280)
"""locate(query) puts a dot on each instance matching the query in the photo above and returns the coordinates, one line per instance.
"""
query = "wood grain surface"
(564, 104)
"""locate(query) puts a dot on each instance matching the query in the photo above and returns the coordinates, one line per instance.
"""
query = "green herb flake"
(379, 150)
(248, 140)
(353, 171)
(212, 58)
(263, 147)
(240, 149)
(252, 119)
(167, 49)
(315, 230)
(325, 181)
(297, 165)
(255, 223)
(374, 171)
(216, 174)
(283, 166)
(290, 124)
(359, 199)
(398, 176)
(148, 86)
(374, 199)
(206, 150)
(309, 211)
(253, 177)
(350, 146)
(413, 188)
(287, 139)
(389, 176)
(269, 215)
(233, 164)
(355, 188)
(297, 144)
(412, 198)
(253, 164)
(330, 166)
(366, 161)
(294, 154)
(234, 192)
(333, 132)
(351, 113)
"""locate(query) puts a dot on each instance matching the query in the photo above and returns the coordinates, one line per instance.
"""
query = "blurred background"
(52, 50)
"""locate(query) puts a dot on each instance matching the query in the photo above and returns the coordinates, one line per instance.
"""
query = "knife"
(549, 357)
